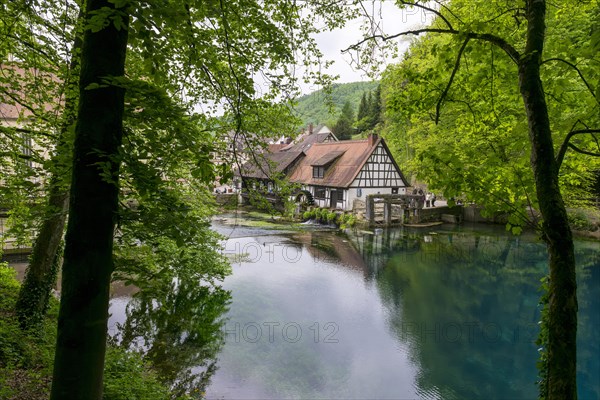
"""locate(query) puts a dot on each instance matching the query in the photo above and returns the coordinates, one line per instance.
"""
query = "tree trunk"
(44, 263)
(40, 277)
(88, 264)
(562, 293)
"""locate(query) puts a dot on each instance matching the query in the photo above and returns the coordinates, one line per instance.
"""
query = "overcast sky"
(389, 17)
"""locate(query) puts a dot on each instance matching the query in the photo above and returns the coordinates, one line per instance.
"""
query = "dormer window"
(318, 172)
(321, 165)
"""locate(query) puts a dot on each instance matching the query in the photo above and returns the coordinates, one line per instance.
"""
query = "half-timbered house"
(320, 134)
(263, 169)
(336, 172)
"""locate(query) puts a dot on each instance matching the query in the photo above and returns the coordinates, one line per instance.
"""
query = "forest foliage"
(477, 146)
(324, 106)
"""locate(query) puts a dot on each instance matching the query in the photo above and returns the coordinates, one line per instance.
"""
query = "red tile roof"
(327, 158)
(270, 164)
(353, 155)
(275, 147)
(305, 142)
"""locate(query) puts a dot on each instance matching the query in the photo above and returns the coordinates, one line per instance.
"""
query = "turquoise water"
(398, 315)
(435, 314)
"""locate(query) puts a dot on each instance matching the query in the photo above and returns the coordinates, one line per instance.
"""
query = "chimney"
(373, 139)
(310, 128)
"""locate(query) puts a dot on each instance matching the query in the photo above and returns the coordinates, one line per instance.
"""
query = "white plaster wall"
(326, 202)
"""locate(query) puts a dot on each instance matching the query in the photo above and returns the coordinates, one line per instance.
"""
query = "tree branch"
(468, 105)
(30, 108)
(445, 92)
(589, 153)
(32, 47)
(486, 37)
(515, 9)
(589, 87)
(563, 148)
(432, 10)
(445, 7)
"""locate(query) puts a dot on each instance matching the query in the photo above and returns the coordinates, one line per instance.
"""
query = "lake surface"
(449, 313)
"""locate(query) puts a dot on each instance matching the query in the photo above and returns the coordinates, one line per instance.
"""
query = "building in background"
(335, 173)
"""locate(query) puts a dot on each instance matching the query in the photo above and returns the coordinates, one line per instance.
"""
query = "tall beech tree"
(88, 264)
(519, 31)
(46, 256)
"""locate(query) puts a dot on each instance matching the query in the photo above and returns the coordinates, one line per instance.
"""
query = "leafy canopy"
(479, 148)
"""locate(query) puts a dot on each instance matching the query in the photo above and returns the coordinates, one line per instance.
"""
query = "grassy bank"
(251, 218)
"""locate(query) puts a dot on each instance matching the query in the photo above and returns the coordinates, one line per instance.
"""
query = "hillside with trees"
(323, 106)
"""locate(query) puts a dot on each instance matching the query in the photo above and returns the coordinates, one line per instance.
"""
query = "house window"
(318, 172)
(27, 149)
(359, 192)
(395, 190)
(319, 193)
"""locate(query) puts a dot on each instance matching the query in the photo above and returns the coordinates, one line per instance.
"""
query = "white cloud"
(387, 17)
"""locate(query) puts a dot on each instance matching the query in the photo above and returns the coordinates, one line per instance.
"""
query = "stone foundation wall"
(226, 199)
(434, 214)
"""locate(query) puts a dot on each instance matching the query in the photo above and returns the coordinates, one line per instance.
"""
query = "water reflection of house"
(325, 246)
(335, 173)
(361, 251)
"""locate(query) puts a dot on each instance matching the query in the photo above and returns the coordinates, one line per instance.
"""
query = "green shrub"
(318, 214)
(579, 221)
(25, 357)
(347, 221)
(331, 216)
(127, 376)
(324, 214)
(17, 348)
(350, 220)
(9, 287)
(309, 214)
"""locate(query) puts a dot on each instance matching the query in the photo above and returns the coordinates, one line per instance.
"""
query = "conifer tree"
(343, 128)
(375, 108)
(362, 107)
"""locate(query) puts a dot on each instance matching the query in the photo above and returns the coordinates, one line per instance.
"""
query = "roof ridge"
(343, 142)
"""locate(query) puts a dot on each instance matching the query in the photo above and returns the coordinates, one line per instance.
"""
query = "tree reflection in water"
(466, 306)
(178, 328)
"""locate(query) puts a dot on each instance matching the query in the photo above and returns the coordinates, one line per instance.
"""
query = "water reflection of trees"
(466, 308)
(465, 305)
(177, 326)
(588, 337)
